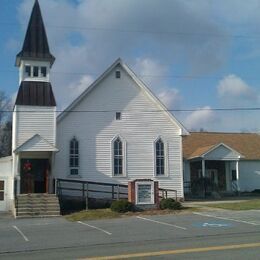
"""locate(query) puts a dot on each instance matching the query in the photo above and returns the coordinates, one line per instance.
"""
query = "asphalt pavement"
(201, 235)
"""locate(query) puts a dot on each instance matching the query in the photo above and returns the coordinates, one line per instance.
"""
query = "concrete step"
(42, 204)
(36, 215)
(37, 205)
(45, 208)
(37, 202)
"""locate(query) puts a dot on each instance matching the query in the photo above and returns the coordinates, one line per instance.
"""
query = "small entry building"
(221, 163)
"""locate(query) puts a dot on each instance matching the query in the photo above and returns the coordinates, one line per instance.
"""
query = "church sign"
(144, 192)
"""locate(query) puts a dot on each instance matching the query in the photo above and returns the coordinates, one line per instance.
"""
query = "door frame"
(33, 162)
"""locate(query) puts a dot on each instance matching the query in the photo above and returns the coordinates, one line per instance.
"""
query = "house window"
(160, 157)
(118, 74)
(27, 71)
(36, 71)
(118, 157)
(118, 116)
(43, 72)
(74, 156)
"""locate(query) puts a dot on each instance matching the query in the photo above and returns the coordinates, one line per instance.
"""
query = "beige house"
(230, 161)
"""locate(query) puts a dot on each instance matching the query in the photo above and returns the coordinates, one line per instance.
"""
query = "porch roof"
(216, 152)
(36, 144)
(198, 143)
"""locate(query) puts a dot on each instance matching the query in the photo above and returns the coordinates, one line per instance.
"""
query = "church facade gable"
(117, 107)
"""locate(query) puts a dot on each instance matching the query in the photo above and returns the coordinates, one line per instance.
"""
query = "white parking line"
(100, 229)
(162, 223)
(21, 233)
(224, 218)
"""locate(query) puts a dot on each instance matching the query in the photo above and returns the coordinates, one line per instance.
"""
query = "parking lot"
(57, 238)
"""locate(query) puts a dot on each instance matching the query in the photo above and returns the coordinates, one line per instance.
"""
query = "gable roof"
(199, 143)
(204, 151)
(36, 144)
(138, 82)
(35, 45)
(35, 93)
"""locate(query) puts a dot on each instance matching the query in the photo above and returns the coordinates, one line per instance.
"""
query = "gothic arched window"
(118, 157)
(74, 156)
(160, 157)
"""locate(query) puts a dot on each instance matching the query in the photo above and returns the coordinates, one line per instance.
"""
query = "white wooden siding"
(249, 175)
(32, 120)
(6, 174)
(139, 127)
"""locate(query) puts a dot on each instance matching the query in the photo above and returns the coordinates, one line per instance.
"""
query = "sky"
(194, 55)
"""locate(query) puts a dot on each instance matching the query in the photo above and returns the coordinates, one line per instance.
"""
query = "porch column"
(237, 175)
(18, 174)
(203, 176)
(203, 168)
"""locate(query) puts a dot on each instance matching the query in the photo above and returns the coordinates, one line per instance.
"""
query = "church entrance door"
(34, 175)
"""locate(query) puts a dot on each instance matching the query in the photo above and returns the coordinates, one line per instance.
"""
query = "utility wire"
(140, 111)
(121, 30)
(144, 75)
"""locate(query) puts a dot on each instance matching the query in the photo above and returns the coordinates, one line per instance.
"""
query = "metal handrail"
(85, 190)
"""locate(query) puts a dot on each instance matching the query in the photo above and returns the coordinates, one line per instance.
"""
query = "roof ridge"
(195, 132)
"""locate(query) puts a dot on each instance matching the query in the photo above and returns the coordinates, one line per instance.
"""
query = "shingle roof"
(197, 143)
(34, 93)
(36, 43)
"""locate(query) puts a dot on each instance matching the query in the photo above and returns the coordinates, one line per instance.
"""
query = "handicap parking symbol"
(212, 225)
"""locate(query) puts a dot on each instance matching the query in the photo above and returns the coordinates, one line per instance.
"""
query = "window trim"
(29, 75)
(124, 174)
(118, 116)
(118, 74)
(166, 159)
(34, 70)
(41, 74)
(78, 156)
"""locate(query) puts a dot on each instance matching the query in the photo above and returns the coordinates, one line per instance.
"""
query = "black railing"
(167, 193)
(90, 189)
(15, 196)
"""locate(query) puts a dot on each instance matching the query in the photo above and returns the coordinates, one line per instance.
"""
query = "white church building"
(116, 131)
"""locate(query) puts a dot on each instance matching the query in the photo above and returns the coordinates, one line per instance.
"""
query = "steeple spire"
(36, 43)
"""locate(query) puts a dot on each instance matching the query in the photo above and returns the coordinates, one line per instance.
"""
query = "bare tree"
(5, 125)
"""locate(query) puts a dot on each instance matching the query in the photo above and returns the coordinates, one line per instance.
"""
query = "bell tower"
(34, 117)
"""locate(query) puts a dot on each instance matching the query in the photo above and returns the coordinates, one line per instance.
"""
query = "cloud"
(88, 35)
(151, 71)
(203, 118)
(171, 98)
(78, 87)
(234, 91)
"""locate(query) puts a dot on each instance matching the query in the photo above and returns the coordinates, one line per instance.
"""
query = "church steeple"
(34, 62)
(35, 45)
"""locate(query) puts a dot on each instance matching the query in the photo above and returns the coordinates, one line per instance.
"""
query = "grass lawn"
(108, 214)
(245, 205)
(93, 214)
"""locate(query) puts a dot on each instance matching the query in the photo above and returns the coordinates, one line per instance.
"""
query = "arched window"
(74, 156)
(118, 157)
(160, 157)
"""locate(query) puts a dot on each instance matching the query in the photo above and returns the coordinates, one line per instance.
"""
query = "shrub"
(170, 204)
(122, 206)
